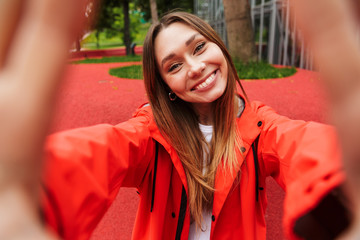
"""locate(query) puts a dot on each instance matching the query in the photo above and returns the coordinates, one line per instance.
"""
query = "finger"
(44, 36)
(329, 29)
(33, 68)
(39, 51)
(19, 216)
(9, 16)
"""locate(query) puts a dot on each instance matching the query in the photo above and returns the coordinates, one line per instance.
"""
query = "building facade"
(276, 38)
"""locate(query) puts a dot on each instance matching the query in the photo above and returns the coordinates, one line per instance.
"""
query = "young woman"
(198, 154)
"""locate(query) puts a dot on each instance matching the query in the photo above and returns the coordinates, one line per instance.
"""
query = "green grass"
(92, 45)
(252, 70)
(132, 72)
(262, 70)
(135, 58)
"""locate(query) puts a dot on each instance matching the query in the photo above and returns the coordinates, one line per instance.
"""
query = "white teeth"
(206, 82)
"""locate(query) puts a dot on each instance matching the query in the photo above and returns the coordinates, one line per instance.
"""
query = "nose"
(196, 68)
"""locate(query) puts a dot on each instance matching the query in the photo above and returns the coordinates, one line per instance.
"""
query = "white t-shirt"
(207, 131)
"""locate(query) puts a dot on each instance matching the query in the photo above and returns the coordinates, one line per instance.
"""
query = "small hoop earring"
(172, 96)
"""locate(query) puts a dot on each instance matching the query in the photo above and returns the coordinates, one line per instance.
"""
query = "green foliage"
(252, 70)
(141, 34)
(110, 20)
(132, 72)
(164, 6)
(135, 58)
(262, 70)
(104, 17)
(90, 42)
(109, 24)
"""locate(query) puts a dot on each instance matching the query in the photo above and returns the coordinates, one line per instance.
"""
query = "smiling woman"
(194, 65)
(248, 141)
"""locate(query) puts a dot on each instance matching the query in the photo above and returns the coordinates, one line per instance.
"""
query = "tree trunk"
(127, 38)
(154, 13)
(78, 44)
(239, 30)
(97, 39)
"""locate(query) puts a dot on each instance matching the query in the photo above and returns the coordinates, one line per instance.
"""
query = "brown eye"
(199, 47)
(173, 67)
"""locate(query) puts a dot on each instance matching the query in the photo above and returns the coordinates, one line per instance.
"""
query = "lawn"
(114, 59)
(251, 70)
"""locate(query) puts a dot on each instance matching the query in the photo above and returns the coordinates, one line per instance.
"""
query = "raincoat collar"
(247, 126)
(249, 129)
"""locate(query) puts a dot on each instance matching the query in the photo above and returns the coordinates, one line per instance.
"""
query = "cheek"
(223, 66)
(217, 54)
(225, 71)
(220, 60)
(175, 83)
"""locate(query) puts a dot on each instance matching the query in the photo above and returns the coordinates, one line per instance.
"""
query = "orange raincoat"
(87, 166)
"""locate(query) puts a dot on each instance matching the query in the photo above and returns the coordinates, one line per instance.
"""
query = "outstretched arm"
(34, 39)
(330, 28)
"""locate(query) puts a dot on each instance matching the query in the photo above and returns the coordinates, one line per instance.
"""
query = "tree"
(126, 30)
(77, 44)
(105, 17)
(164, 6)
(154, 11)
(239, 30)
(114, 18)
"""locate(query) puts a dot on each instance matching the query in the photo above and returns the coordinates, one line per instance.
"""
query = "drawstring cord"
(154, 176)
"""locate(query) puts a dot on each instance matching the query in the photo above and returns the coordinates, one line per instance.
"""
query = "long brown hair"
(179, 124)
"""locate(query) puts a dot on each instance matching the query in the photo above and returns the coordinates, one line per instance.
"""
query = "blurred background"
(262, 27)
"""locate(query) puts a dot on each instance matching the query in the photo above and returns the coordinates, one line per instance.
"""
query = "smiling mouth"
(205, 83)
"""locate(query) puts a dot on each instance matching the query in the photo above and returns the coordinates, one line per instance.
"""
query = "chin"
(218, 93)
(214, 97)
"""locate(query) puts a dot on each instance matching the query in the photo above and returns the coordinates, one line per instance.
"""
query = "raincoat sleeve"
(303, 157)
(86, 167)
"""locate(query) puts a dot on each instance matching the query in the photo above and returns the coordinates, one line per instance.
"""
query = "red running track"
(90, 96)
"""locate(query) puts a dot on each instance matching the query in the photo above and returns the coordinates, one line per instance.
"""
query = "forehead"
(173, 38)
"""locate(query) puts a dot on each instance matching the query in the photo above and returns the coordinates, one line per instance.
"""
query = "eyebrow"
(187, 43)
(168, 57)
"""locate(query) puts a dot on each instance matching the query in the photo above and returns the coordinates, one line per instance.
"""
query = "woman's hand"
(329, 28)
(35, 36)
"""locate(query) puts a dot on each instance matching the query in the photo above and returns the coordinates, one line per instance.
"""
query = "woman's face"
(193, 67)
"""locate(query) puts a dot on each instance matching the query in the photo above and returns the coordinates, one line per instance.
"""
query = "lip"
(204, 79)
